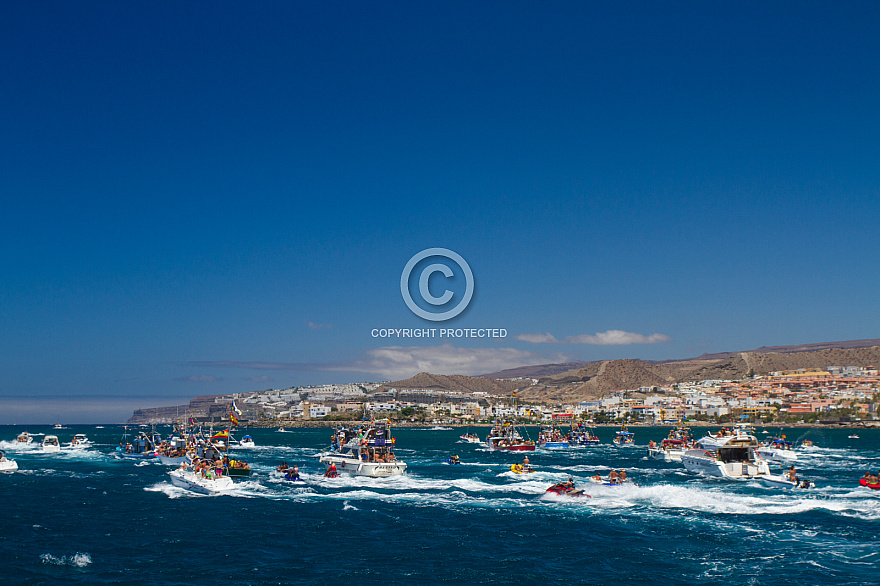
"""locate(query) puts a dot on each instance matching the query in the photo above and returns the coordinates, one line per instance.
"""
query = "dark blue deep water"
(87, 517)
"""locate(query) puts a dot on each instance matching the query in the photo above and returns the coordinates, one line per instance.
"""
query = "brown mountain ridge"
(592, 380)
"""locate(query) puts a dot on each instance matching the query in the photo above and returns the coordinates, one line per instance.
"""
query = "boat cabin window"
(733, 454)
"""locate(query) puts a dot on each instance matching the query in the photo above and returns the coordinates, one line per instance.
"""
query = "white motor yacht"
(365, 452)
(737, 458)
(246, 442)
(24, 438)
(50, 444)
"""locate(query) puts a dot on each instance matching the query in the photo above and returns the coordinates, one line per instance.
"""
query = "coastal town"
(833, 395)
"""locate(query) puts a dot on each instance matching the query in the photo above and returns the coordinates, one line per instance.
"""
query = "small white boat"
(246, 442)
(80, 441)
(281, 429)
(7, 465)
(50, 444)
(783, 482)
(24, 438)
(669, 450)
(59, 426)
(624, 438)
(470, 438)
(193, 482)
(777, 450)
(853, 436)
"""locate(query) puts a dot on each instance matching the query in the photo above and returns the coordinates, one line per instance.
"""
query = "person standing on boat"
(525, 464)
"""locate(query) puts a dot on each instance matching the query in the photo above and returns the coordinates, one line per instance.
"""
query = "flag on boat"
(233, 419)
(236, 409)
(221, 434)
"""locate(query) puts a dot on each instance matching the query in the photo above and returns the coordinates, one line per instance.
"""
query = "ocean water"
(84, 516)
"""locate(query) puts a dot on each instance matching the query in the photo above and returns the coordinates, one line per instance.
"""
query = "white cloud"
(547, 338)
(609, 338)
(617, 338)
(395, 362)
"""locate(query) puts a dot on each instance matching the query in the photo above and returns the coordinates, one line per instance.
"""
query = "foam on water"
(80, 560)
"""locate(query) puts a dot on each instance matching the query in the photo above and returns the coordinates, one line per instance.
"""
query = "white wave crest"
(80, 560)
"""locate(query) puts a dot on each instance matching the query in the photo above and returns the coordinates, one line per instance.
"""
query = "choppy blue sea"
(83, 516)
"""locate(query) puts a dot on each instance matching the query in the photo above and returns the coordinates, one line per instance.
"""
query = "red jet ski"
(563, 489)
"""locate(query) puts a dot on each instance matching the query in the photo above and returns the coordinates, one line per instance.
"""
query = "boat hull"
(706, 464)
(665, 455)
(864, 483)
(554, 445)
(777, 455)
(189, 481)
(8, 466)
(175, 461)
(778, 482)
(141, 456)
(369, 469)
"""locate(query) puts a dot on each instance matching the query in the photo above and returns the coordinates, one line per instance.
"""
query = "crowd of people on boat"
(551, 435)
(205, 468)
(377, 455)
(167, 450)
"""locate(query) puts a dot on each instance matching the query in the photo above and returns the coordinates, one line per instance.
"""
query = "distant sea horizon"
(78, 409)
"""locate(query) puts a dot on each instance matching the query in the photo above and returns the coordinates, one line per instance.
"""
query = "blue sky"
(221, 197)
